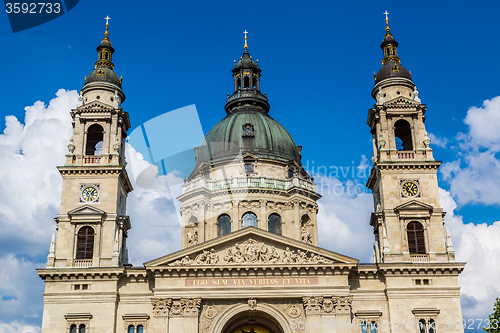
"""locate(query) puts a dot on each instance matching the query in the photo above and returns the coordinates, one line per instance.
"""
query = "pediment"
(95, 106)
(249, 156)
(413, 205)
(402, 101)
(251, 247)
(86, 210)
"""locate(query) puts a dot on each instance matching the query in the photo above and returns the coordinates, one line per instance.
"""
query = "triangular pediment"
(251, 247)
(86, 210)
(95, 106)
(249, 156)
(402, 101)
(413, 205)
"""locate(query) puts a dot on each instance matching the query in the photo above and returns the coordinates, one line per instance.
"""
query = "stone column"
(161, 307)
(328, 317)
(202, 223)
(263, 219)
(191, 314)
(296, 216)
(343, 313)
(312, 306)
(235, 218)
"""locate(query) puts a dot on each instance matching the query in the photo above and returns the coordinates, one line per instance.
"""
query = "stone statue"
(193, 237)
(116, 100)
(116, 146)
(380, 97)
(415, 95)
(427, 141)
(80, 99)
(228, 258)
(305, 235)
(213, 258)
(71, 146)
(381, 142)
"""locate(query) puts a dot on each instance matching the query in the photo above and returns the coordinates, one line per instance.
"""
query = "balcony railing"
(248, 182)
(81, 263)
(406, 155)
(92, 159)
(419, 258)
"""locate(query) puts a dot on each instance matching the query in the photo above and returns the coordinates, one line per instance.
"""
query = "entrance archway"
(239, 319)
(252, 322)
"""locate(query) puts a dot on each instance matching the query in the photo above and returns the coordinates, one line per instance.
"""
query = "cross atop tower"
(246, 45)
(386, 17)
(107, 18)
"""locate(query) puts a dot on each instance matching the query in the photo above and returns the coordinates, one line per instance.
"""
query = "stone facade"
(253, 278)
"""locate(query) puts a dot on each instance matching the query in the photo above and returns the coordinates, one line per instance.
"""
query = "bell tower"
(408, 219)
(92, 224)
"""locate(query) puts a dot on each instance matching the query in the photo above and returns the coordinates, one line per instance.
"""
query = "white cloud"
(155, 223)
(30, 185)
(344, 214)
(438, 141)
(477, 167)
(477, 245)
(17, 327)
(30, 193)
(484, 124)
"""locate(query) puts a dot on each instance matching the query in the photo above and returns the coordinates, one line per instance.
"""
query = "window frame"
(249, 213)
(77, 243)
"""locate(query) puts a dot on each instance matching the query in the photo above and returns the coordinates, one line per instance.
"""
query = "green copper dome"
(248, 132)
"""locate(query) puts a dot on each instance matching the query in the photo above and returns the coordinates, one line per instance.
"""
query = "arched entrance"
(252, 321)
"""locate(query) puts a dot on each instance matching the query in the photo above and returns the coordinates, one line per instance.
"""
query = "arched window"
(85, 243)
(305, 220)
(95, 135)
(249, 220)
(246, 82)
(223, 225)
(416, 242)
(432, 326)
(421, 326)
(72, 329)
(81, 329)
(131, 329)
(274, 223)
(402, 133)
(140, 329)
(239, 83)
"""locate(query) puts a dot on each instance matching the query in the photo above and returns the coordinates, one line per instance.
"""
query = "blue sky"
(317, 60)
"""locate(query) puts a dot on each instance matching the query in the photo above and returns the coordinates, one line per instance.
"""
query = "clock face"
(90, 194)
(409, 189)
(248, 131)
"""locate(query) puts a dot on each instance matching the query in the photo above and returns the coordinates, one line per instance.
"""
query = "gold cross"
(246, 45)
(386, 17)
(245, 32)
(107, 18)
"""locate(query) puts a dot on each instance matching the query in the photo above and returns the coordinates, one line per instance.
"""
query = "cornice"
(71, 273)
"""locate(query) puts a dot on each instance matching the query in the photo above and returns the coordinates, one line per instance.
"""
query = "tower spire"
(389, 44)
(246, 77)
(105, 49)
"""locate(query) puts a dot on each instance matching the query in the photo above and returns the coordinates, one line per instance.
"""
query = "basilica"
(249, 260)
